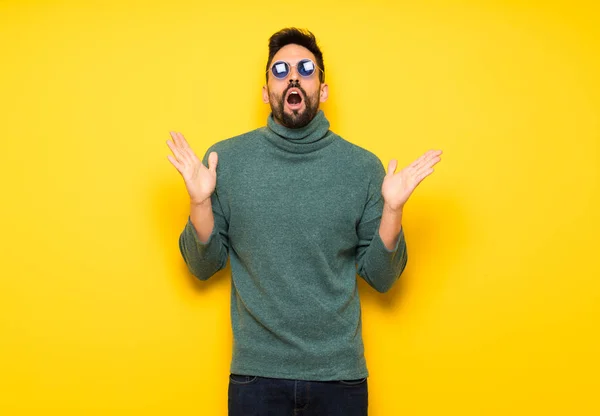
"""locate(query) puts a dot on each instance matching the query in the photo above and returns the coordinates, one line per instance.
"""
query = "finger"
(429, 163)
(392, 166)
(179, 143)
(419, 178)
(182, 140)
(424, 170)
(175, 163)
(416, 162)
(174, 148)
(176, 151)
(175, 138)
(424, 160)
(213, 160)
(185, 148)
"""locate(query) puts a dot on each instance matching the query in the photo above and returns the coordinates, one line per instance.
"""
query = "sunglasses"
(305, 67)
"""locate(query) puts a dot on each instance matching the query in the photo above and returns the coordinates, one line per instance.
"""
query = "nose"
(294, 76)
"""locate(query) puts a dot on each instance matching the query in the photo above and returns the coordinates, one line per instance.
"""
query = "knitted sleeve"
(204, 259)
(377, 265)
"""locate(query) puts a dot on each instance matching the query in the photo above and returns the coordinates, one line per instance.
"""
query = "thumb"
(213, 160)
(392, 166)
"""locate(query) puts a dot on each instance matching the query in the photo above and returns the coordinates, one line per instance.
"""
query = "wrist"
(200, 203)
(393, 209)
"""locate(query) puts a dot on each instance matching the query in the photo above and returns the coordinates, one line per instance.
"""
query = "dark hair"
(302, 37)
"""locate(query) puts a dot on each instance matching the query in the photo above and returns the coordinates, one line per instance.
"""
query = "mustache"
(295, 85)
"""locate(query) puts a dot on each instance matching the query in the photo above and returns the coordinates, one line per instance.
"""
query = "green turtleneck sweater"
(298, 212)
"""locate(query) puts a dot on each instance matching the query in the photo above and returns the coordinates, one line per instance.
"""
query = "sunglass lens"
(280, 69)
(306, 67)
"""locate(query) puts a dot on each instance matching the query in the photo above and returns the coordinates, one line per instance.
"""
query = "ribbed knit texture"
(298, 213)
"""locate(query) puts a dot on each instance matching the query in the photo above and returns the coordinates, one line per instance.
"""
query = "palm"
(200, 181)
(397, 187)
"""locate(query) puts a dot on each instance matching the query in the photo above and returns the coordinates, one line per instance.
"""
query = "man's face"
(295, 99)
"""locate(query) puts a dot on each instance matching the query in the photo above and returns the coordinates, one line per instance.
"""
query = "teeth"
(293, 92)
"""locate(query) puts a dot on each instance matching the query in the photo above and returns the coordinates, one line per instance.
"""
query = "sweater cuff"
(192, 230)
(381, 246)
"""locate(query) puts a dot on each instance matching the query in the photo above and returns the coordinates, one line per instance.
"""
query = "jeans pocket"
(354, 382)
(242, 379)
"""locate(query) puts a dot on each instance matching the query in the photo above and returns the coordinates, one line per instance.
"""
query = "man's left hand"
(397, 187)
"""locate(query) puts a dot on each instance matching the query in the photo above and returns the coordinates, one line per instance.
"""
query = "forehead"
(292, 53)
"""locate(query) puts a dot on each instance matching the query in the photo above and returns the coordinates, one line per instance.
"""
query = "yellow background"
(498, 310)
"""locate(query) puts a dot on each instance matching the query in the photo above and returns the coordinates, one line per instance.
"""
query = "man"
(300, 211)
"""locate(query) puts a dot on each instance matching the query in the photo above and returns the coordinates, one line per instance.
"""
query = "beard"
(297, 118)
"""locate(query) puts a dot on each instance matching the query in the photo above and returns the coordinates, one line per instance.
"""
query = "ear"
(324, 92)
(265, 94)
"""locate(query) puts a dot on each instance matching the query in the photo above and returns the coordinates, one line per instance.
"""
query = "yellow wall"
(498, 310)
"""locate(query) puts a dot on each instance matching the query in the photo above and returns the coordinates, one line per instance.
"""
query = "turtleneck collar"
(315, 135)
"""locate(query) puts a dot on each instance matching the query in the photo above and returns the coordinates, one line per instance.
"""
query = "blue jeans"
(262, 396)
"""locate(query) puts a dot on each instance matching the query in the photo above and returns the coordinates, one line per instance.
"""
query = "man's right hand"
(200, 181)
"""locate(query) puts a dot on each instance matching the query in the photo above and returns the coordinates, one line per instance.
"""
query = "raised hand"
(397, 187)
(200, 181)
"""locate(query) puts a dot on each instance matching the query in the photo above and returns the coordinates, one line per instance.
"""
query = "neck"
(313, 136)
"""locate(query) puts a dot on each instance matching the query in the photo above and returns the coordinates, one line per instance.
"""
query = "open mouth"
(294, 99)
